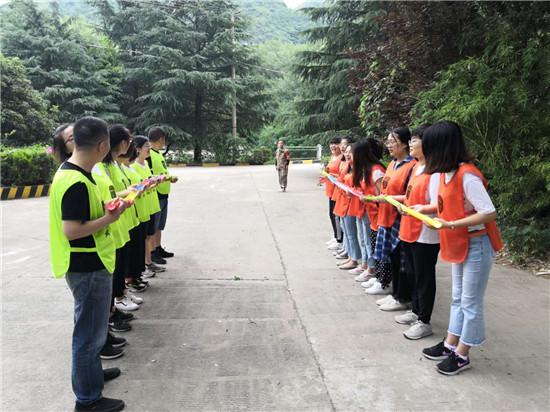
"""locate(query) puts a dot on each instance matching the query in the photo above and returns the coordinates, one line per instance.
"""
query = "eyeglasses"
(390, 143)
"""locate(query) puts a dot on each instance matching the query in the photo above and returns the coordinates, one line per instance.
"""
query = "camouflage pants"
(283, 174)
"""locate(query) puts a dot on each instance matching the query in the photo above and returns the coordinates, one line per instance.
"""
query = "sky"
(292, 4)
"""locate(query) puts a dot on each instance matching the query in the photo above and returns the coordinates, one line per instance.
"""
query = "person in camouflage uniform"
(282, 158)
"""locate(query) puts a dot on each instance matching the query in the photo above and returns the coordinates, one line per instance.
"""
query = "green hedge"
(257, 156)
(31, 165)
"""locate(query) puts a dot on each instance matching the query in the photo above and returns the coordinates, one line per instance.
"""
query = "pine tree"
(178, 70)
(79, 79)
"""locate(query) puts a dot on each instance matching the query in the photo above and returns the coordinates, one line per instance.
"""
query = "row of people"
(430, 172)
(106, 253)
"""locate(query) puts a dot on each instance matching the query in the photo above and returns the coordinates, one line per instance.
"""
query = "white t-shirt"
(377, 174)
(427, 235)
(475, 196)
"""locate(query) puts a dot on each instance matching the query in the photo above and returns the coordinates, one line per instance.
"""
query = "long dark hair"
(403, 134)
(363, 161)
(444, 147)
(118, 133)
(59, 147)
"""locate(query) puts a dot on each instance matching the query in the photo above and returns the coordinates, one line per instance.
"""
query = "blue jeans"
(163, 214)
(343, 229)
(350, 232)
(92, 305)
(364, 234)
(469, 283)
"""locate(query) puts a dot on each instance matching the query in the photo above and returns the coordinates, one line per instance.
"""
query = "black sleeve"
(76, 203)
(150, 163)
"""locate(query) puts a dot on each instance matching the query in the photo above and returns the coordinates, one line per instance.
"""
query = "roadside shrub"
(31, 165)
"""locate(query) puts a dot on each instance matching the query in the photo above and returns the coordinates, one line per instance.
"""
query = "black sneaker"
(452, 365)
(110, 374)
(125, 316)
(115, 341)
(437, 352)
(108, 352)
(157, 259)
(134, 286)
(101, 405)
(116, 324)
(163, 253)
(140, 280)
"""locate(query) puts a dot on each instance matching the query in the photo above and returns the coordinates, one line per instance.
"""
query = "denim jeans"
(92, 305)
(163, 214)
(344, 237)
(469, 283)
(350, 232)
(365, 240)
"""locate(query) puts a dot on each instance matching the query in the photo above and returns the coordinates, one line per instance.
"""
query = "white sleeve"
(433, 188)
(377, 175)
(475, 193)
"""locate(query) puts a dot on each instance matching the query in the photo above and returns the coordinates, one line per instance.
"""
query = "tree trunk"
(198, 126)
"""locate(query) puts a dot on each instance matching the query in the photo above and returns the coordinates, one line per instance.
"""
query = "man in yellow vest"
(157, 163)
(82, 250)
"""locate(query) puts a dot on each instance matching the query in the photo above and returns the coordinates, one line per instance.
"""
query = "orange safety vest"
(450, 207)
(332, 167)
(342, 199)
(410, 228)
(356, 207)
(341, 173)
(393, 184)
(370, 190)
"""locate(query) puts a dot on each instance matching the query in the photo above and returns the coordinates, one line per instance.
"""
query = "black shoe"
(163, 253)
(135, 286)
(115, 341)
(110, 374)
(101, 405)
(437, 352)
(157, 259)
(118, 325)
(142, 281)
(108, 352)
(125, 316)
(452, 365)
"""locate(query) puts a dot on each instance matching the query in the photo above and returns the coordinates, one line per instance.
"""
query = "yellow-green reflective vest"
(60, 248)
(152, 198)
(121, 183)
(159, 168)
(142, 205)
(119, 229)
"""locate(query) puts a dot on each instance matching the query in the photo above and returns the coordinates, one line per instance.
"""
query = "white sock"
(451, 347)
(461, 356)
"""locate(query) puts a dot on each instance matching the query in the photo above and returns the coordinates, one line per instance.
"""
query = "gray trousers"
(283, 174)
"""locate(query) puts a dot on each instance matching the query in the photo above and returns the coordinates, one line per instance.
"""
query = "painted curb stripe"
(24, 192)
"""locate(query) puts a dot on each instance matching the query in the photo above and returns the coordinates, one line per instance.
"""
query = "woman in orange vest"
(388, 245)
(342, 209)
(367, 178)
(333, 167)
(469, 238)
(420, 244)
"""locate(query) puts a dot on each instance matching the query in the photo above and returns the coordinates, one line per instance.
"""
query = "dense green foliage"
(31, 165)
(26, 115)
(79, 80)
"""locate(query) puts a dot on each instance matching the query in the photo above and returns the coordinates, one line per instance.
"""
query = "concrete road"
(253, 315)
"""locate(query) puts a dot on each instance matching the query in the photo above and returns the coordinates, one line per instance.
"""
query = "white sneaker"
(338, 252)
(363, 277)
(134, 298)
(385, 299)
(356, 271)
(148, 273)
(369, 283)
(125, 304)
(393, 305)
(407, 318)
(342, 256)
(377, 289)
(334, 246)
(331, 241)
(418, 330)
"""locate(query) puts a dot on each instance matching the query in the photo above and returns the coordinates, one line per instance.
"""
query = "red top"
(410, 228)
(356, 207)
(450, 207)
(341, 198)
(393, 184)
(332, 167)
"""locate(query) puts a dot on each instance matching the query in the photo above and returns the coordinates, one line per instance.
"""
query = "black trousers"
(400, 280)
(420, 261)
(136, 263)
(121, 270)
(338, 234)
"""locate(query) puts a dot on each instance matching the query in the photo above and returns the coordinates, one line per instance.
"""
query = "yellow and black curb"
(24, 192)
(292, 162)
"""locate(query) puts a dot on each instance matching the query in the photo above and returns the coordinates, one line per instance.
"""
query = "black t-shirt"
(150, 163)
(75, 205)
